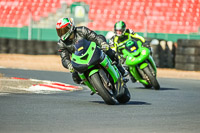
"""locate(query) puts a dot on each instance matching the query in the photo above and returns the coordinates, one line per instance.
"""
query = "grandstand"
(161, 16)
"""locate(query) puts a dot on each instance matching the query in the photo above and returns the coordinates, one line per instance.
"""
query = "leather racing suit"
(118, 43)
(67, 47)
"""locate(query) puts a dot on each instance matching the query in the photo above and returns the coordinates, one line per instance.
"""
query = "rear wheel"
(102, 91)
(151, 79)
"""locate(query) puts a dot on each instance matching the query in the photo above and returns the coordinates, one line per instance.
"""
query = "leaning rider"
(122, 35)
(70, 35)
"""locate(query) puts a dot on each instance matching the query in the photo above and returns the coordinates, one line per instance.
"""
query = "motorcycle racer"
(122, 35)
(70, 35)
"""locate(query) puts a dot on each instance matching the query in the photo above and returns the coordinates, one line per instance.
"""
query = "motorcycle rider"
(70, 35)
(122, 35)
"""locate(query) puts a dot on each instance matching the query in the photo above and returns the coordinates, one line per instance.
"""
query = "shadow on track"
(129, 103)
(161, 89)
(164, 89)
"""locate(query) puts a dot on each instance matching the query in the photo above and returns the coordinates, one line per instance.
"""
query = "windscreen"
(81, 47)
(131, 46)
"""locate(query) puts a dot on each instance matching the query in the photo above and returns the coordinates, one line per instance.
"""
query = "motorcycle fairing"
(86, 59)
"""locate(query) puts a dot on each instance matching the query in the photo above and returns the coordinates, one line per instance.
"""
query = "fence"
(50, 34)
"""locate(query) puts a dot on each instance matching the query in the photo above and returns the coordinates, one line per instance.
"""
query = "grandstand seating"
(162, 16)
(16, 13)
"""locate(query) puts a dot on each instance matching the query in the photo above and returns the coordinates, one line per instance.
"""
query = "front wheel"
(102, 91)
(151, 79)
(124, 95)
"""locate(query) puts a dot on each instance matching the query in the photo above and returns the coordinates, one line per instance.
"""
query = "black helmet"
(64, 28)
(120, 28)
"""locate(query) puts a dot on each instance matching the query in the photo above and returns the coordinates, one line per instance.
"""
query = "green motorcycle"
(140, 64)
(97, 71)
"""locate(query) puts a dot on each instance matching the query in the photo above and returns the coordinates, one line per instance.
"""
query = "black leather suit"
(66, 48)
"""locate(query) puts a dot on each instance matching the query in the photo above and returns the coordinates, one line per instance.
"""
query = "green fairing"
(131, 60)
(143, 65)
(153, 64)
(107, 64)
(138, 58)
(90, 52)
(93, 72)
(90, 66)
(137, 76)
(83, 78)
(128, 54)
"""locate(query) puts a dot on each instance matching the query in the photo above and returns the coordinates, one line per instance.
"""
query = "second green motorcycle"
(140, 64)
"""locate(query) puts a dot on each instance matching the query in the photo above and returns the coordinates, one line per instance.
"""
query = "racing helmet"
(64, 28)
(119, 28)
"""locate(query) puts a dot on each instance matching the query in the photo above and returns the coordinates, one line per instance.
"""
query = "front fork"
(137, 71)
(112, 69)
(106, 63)
(86, 82)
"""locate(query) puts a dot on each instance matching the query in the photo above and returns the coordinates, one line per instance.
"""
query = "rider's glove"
(70, 67)
(104, 46)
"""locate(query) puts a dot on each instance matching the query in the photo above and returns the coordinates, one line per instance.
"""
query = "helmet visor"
(119, 32)
(65, 32)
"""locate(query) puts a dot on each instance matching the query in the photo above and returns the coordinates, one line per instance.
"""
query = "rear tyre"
(102, 91)
(151, 79)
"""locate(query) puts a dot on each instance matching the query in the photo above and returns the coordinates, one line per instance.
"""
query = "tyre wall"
(188, 55)
(33, 47)
(163, 52)
(185, 55)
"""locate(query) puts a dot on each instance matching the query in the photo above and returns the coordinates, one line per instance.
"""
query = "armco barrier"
(33, 47)
(188, 55)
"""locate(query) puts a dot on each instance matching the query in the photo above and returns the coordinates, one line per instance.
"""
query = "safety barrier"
(188, 55)
(163, 52)
(185, 55)
(33, 47)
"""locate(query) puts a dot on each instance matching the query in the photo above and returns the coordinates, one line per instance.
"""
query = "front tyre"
(102, 91)
(151, 79)
(124, 95)
(147, 86)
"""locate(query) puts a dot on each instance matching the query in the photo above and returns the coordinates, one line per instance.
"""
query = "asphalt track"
(173, 109)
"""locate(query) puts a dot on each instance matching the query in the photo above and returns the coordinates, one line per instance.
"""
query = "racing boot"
(123, 71)
(76, 78)
(132, 78)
